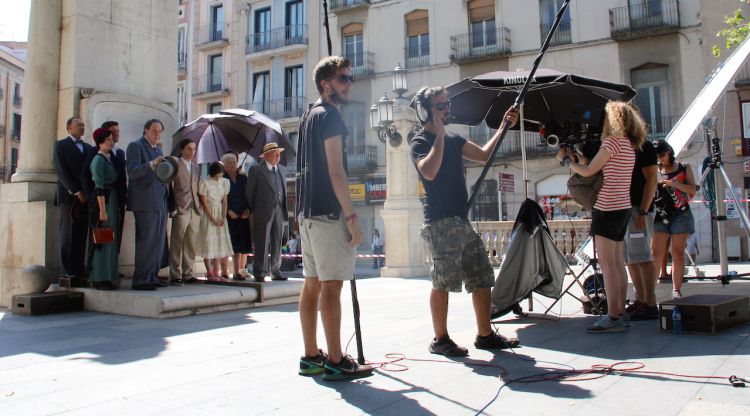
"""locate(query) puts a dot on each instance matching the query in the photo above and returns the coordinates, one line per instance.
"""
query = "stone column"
(39, 122)
(402, 212)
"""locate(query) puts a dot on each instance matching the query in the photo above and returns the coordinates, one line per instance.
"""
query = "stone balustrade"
(569, 235)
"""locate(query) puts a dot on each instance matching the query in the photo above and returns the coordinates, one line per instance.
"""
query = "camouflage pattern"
(456, 254)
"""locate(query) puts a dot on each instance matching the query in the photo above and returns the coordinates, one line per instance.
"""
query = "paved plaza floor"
(245, 362)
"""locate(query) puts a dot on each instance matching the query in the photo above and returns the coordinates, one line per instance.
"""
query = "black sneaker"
(347, 369)
(446, 346)
(310, 366)
(495, 341)
(647, 313)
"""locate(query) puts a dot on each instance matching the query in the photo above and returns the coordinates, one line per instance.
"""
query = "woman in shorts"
(673, 218)
(624, 131)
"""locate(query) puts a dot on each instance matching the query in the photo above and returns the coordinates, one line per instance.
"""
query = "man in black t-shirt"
(328, 222)
(638, 254)
(457, 253)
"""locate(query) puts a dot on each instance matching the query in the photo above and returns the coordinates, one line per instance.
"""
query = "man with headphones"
(328, 223)
(457, 252)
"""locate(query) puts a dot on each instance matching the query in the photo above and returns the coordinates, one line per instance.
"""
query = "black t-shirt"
(315, 194)
(643, 158)
(446, 195)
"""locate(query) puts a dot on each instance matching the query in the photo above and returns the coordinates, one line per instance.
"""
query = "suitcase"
(706, 314)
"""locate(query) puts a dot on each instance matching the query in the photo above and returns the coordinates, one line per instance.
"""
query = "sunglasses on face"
(442, 106)
(343, 78)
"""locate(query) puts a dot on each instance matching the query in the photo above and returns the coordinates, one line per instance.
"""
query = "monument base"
(30, 222)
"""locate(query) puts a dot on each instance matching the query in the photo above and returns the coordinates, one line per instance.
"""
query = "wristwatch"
(642, 213)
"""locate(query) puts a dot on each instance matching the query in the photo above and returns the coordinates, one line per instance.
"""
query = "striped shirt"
(618, 171)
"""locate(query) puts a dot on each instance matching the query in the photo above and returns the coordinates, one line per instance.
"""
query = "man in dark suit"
(118, 159)
(266, 195)
(147, 198)
(68, 157)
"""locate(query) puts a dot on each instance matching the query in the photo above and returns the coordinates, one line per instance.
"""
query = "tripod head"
(713, 142)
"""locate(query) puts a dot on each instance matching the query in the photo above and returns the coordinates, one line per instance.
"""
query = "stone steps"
(176, 301)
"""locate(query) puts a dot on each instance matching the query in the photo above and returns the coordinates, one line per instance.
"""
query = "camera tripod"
(721, 182)
(598, 303)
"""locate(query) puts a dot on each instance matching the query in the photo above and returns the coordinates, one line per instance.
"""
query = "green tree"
(736, 31)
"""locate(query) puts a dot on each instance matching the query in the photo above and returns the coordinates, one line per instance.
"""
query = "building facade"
(12, 62)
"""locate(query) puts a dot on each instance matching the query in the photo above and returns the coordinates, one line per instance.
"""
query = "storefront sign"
(376, 190)
(357, 192)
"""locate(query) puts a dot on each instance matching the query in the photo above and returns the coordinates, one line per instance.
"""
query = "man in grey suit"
(266, 195)
(147, 198)
(185, 217)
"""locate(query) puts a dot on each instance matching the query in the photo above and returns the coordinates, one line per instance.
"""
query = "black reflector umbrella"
(553, 98)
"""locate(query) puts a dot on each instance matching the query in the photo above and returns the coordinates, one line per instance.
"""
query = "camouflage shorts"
(456, 254)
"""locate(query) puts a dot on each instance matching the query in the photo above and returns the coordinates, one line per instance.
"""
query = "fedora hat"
(270, 147)
(166, 170)
(79, 212)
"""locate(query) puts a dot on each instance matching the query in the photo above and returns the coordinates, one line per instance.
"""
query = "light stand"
(720, 182)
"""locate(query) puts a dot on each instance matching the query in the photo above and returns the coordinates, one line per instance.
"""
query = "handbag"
(102, 235)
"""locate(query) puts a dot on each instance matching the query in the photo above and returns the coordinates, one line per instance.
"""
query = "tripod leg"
(738, 206)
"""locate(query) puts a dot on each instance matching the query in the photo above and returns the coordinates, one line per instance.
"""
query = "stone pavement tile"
(702, 408)
(30, 406)
(122, 406)
(220, 406)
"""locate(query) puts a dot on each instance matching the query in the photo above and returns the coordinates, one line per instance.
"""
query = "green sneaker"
(606, 324)
(347, 369)
(310, 366)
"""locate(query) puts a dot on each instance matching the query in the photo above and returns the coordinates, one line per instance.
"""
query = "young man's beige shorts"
(326, 252)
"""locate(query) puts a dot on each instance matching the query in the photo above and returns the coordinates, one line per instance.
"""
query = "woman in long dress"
(238, 214)
(215, 246)
(103, 262)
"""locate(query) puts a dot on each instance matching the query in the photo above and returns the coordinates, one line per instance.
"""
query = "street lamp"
(399, 81)
(381, 119)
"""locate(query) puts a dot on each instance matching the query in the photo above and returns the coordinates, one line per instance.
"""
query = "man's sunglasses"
(442, 106)
(343, 78)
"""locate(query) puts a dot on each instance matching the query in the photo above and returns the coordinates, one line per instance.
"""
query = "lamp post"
(402, 212)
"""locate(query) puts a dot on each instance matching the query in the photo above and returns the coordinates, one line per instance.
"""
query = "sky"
(14, 20)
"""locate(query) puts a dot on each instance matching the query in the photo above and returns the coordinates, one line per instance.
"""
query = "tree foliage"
(736, 31)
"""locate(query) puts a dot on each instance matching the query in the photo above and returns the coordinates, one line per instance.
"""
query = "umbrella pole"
(216, 146)
(523, 157)
(519, 100)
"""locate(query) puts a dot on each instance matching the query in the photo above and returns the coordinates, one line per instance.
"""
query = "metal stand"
(720, 182)
(592, 263)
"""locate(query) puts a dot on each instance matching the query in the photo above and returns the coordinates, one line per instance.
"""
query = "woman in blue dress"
(103, 260)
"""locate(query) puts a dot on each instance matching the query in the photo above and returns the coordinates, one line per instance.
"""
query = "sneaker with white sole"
(606, 324)
(676, 295)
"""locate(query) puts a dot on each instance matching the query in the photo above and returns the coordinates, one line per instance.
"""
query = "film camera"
(580, 127)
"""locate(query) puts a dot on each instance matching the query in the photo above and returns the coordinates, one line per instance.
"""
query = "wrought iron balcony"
(363, 160)
(17, 100)
(644, 19)
(181, 61)
(480, 44)
(562, 35)
(290, 107)
(213, 33)
(345, 5)
(416, 57)
(363, 63)
(210, 83)
(660, 127)
(277, 38)
(510, 148)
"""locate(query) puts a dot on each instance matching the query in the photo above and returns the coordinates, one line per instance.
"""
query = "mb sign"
(506, 182)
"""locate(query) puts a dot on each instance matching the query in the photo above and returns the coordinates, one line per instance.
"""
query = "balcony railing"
(17, 100)
(568, 234)
(339, 5)
(277, 38)
(212, 33)
(181, 61)
(208, 83)
(660, 127)
(562, 35)
(644, 18)
(290, 107)
(363, 64)
(363, 160)
(511, 145)
(473, 45)
(416, 57)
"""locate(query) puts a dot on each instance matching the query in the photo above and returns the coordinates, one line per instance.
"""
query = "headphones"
(421, 104)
